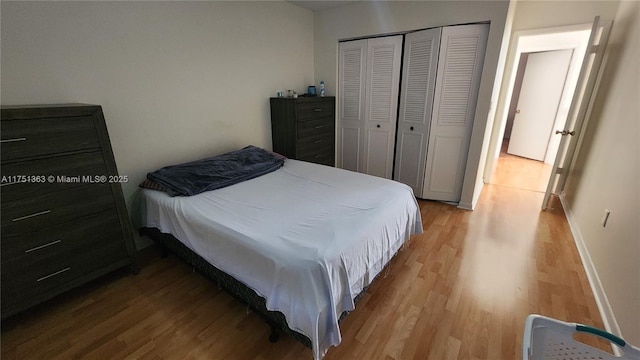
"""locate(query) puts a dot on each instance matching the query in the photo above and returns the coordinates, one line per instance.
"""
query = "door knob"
(378, 126)
(518, 111)
(411, 128)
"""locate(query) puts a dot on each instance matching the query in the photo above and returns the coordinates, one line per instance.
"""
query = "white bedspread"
(307, 238)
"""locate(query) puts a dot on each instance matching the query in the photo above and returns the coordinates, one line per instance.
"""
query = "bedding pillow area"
(148, 184)
(216, 172)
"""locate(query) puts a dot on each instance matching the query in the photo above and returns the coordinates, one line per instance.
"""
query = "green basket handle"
(598, 332)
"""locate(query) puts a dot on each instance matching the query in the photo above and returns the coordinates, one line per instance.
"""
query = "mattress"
(308, 238)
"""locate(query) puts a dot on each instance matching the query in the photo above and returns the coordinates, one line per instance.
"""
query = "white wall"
(382, 17)
(606, 175)
(177, 80)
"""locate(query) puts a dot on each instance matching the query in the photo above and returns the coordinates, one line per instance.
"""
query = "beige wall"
(382, 17)
(536, 14)
(177, 80)
(606, 175)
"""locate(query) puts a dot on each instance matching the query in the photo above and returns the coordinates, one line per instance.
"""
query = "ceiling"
(315, 5)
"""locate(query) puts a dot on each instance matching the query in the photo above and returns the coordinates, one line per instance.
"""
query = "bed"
(299, 244)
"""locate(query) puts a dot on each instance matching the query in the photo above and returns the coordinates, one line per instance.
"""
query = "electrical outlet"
(605, 218)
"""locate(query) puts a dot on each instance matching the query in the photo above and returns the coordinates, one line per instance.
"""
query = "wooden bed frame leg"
(274, 336)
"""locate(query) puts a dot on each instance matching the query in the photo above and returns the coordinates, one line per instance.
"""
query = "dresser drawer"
(50, 209)
(45, 251)
(32, 245)
(26, 280)
(323, 143)
(323, 158)
(67, 172)
(35, 137)
(315, 127)
(315, 109)
(322, 153)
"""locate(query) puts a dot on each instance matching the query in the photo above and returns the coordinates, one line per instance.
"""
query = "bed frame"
(255, 302)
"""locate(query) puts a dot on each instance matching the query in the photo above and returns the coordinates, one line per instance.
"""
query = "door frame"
(573, 37)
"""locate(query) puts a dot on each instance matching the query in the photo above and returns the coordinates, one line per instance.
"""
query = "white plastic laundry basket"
(547, 338)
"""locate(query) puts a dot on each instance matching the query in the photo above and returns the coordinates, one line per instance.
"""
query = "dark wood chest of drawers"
(304, 128)
(64, 220)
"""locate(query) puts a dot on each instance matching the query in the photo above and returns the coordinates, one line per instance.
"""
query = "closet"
(441, 71)
(368, 81)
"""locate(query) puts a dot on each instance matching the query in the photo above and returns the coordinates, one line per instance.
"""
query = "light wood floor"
(520, 173)
(461, 290)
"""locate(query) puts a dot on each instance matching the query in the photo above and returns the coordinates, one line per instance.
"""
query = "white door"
(544, 78)
(462, 50)
(351, 93)
(419, 66)
(579, 109)
(381, 104)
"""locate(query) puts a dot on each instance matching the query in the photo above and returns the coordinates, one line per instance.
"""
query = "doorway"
(535, 103)
(527, 151)
(510, 170)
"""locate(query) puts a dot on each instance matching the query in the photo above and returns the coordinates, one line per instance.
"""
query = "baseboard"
(608, 318)
(465, 206)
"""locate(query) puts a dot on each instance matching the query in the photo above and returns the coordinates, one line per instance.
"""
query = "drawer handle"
(32, 215)
(317, 141)
(10, 183)
(43, 246)
(319, 126)
(53, 274)
(318, 109)
(317, 156)
(13, 140)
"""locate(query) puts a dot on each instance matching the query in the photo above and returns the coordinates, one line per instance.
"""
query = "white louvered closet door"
(419, 66)
(462, 50)
(381, 104)
(351, 93)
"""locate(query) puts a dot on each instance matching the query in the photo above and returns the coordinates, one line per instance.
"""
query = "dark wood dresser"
(304, 128)
(64, 219)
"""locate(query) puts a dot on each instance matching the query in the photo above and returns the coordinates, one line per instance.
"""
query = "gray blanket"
(216, 172)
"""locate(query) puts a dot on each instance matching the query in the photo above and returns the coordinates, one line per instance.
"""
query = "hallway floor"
(520, 173)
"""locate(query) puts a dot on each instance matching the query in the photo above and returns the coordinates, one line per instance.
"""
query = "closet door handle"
(378, 126)
(411, 128)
